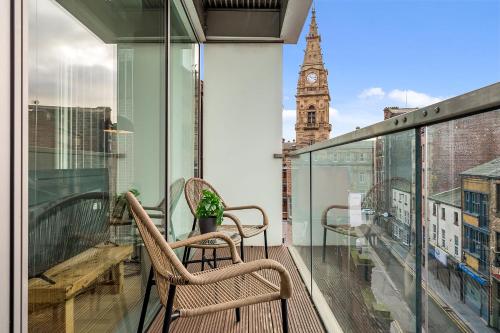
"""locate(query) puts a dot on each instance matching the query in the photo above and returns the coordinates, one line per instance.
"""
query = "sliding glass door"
(107, 91)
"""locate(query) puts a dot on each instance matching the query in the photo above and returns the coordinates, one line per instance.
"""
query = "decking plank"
(264, 317)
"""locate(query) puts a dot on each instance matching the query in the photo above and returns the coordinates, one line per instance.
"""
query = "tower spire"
(313, 95)
(313, 26)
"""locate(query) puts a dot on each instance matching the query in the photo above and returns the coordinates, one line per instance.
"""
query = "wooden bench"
(73, 277)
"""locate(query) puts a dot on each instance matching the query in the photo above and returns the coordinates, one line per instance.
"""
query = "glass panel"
(300, 224)
(96, 130)
(364, 233)
(183, 108)
(462, 171)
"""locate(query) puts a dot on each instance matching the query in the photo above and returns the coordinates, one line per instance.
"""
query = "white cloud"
(376, 92)
(334, 113)
(413, 98)
(289, 114)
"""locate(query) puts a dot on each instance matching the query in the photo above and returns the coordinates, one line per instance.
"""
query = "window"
(498, 199)
(361, 157)
(443, 213)
(455, 218)
(434, 209)
(311, 117)
(434, 233)
(396, 232)
(362, 178)
(443, 238)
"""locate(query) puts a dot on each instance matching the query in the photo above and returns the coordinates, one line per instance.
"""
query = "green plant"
(121, 203)
(210, 205)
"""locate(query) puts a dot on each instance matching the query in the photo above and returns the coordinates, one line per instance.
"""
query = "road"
(439, 319)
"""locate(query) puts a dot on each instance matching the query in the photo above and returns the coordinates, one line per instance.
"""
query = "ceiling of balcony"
(243, 4)
(254, 20)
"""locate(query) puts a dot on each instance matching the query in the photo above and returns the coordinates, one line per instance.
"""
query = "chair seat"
(248, 230)
(194, 300)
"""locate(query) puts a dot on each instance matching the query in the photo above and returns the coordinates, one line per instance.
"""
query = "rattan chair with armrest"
(193, 191)
(210, 291)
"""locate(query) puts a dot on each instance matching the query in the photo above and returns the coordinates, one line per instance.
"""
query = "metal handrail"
(478, 101)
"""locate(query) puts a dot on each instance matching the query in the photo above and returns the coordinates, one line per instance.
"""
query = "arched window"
(311, 115)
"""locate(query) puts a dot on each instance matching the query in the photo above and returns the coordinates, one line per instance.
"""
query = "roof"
(401, 185)
(451, 197)
(489, 169)
(287, 145)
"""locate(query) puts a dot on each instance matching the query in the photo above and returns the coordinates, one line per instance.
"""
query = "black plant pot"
(207, 224)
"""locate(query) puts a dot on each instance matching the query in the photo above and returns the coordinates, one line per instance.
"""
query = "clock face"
(312, 77)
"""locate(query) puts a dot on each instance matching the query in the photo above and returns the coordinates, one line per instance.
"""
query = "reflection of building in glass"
(357, 160)
(481, 225)
(401, 213)
(394, 172)
(68, 137)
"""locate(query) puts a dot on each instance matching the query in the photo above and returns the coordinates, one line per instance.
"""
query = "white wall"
(242, 128)
(448, 225)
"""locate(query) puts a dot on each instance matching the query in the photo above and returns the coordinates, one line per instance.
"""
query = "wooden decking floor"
(264, 317)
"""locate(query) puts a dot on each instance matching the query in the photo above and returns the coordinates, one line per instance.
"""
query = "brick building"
(481, 236)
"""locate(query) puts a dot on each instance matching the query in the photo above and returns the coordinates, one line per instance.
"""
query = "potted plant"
(121, 204)
(209, 212)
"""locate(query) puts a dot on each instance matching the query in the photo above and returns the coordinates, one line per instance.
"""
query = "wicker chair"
(193, 192)
(210, 291)
(328, 227)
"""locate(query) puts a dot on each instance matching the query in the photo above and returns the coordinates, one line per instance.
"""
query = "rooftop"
(451, 197)
(490, 169)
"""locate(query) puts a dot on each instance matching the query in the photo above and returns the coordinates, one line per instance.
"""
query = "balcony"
(312, 126)
(355, 266)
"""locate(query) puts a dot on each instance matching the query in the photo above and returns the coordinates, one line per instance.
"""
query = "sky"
(396, 53)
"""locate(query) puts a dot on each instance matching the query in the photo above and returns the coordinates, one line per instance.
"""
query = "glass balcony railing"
(381, 240)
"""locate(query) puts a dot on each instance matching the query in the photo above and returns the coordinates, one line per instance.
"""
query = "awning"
(473, 275)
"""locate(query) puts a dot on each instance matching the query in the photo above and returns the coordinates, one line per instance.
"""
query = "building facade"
(312, 105)
(445, 222)
(313, 96)
(481, 227)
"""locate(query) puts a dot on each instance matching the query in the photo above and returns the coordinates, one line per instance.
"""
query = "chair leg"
(324, 245)
(187, 252)
(238, 314)
(202, 260)
(265, 244)
(168, 309)
(145, 301)
(284, 315)
(242, 252)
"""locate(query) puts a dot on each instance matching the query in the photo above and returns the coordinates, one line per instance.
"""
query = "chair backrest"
(167, 267)
(176, 189)
(61, 229)
(193, 191)
(324, 216)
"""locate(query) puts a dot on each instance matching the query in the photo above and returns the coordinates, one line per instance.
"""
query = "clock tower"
(313, 96)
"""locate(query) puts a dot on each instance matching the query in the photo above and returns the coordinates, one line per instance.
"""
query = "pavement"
(466, 319)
